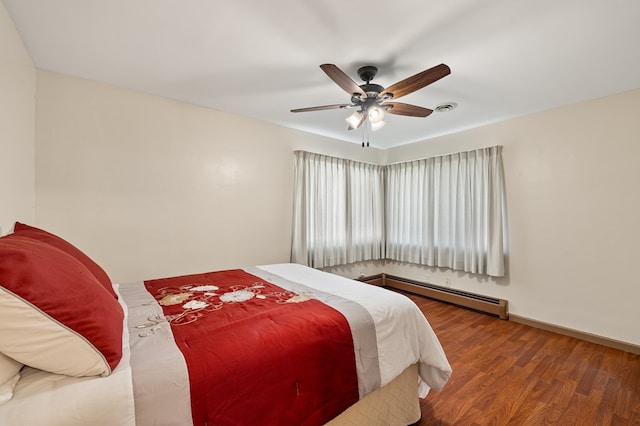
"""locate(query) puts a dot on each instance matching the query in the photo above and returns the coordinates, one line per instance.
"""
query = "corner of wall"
(17, 132)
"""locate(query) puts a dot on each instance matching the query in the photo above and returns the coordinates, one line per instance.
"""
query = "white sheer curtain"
(338, 211)
(448, 211)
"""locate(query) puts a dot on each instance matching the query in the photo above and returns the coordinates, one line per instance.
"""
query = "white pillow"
(9, 376)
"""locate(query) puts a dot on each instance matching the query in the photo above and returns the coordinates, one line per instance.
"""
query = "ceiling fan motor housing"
(367, 73)
(372, 90)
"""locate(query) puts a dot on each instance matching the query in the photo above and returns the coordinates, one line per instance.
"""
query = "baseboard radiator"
(489, 305)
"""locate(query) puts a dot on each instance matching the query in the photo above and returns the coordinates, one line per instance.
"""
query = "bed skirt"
(396, 404)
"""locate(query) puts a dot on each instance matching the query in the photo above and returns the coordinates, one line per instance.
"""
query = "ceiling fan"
(372, 100)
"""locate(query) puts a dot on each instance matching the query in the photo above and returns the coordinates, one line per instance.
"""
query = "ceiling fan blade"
(399, 108)
(416, 82)
(320, 108)
(342, 79)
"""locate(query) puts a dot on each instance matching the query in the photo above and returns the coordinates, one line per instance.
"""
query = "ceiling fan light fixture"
(377, 125)
(376, 114)
(355, 120)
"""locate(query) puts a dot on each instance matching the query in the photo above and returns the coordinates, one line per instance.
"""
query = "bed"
(270, 344)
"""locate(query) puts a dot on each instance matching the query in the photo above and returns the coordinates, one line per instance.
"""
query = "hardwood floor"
(506, 373)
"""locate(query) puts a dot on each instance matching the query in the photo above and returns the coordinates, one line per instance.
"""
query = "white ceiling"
(261, 58)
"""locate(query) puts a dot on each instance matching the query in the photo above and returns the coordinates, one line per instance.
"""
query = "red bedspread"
(258, 354)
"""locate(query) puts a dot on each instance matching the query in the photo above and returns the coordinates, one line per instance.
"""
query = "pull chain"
(365, 129)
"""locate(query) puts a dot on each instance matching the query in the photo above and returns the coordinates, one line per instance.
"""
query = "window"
(338, 211)
(445, 211)
(448, 211)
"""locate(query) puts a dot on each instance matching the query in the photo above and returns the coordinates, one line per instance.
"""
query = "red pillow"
(55, 315)
(54, 240)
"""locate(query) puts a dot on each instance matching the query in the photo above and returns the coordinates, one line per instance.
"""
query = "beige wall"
(573, 203)
(151, 187)
(17, 115)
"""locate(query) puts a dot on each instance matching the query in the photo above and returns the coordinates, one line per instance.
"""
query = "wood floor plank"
(594, 361)
(506, 373)
(531, 409)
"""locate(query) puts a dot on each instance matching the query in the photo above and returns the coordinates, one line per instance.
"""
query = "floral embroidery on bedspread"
(198, 300)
